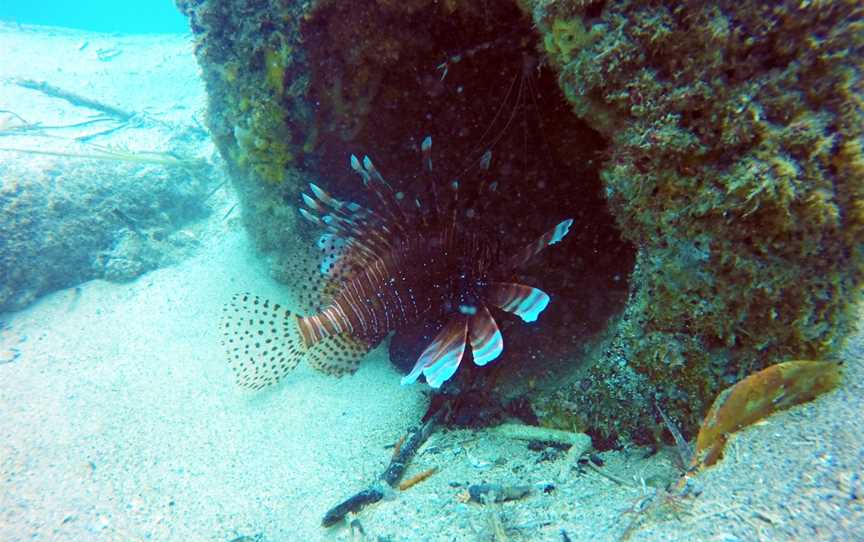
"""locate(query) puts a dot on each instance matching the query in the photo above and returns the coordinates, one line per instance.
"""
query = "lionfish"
(393, 264)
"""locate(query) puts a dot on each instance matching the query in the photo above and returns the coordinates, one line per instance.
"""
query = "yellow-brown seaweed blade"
(759, 395)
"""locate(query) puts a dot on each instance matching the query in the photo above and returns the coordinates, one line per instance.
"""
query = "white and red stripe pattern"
(388, 265)
(523, 301)
(486, 340)
(441, 358)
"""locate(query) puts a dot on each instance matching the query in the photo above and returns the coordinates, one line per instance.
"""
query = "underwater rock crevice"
(295, 90)
(710, 156)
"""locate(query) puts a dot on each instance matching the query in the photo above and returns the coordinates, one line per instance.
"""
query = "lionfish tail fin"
(441, 358)
(337, 354)
(524, 301)
(263, 340)
(549, 238)
(486, 340)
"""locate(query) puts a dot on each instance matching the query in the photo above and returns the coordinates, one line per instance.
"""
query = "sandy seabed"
(119, 420)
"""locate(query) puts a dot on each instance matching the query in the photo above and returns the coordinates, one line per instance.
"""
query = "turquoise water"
(137, 16)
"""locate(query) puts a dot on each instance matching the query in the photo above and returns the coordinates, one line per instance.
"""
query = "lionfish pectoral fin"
(523, 301)
(441, 358)
(486, 340)
(551, 237)
(337, 354)
(263, 340)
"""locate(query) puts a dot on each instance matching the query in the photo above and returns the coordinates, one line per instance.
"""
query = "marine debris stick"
(6, 124)
(390, 476)
(74, 99)
(118, 154)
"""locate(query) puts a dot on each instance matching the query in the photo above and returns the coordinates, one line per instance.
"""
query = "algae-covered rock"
(735, 167)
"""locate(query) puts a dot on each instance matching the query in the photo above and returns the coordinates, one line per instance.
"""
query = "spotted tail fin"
(549, 238)
(441, 358)
(338, 354)
(523, 301)
(263, 340)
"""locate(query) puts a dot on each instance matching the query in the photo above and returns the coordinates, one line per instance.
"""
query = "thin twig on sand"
(390, 476)
(75, 99)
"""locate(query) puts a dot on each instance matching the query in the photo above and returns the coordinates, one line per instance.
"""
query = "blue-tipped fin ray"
(551, 237)
(523, 301)
(441, 358)
(485, 337)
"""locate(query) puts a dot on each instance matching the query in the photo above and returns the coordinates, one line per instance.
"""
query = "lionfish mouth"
(393, 263)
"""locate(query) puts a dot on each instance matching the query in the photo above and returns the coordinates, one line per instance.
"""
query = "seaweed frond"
(774, 388)
(120, 154)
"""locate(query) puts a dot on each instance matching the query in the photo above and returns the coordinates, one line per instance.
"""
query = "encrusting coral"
(736, 168)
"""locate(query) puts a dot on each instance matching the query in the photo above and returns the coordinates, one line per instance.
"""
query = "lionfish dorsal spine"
(360, 227)
(556, 234)
(390, 208)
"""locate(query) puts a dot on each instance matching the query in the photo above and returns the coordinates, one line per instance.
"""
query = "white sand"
(156, 75)
(120, 419)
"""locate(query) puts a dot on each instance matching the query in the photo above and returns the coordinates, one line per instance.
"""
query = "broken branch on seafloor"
(390, 476)
(75, 99)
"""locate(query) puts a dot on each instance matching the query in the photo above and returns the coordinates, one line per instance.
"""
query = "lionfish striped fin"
(426, 151)
(549, 238)
(358, 226)
(486, 340)
(262, 339)
(441, 358)
(375, 182)
(523, 301)
(485, 160)
(337, 354)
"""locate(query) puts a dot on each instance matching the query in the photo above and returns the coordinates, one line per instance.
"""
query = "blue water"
(129, 16)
